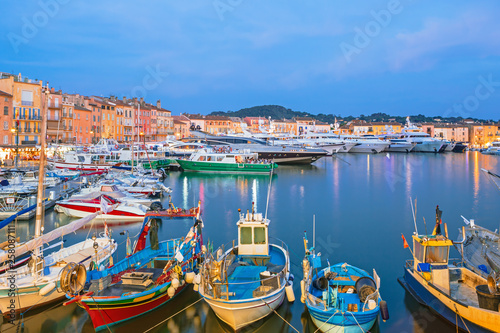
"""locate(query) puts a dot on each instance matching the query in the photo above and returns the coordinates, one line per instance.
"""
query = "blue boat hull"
(424, 297)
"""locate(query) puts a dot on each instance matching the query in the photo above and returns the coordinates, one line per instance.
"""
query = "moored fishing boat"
(205, 160)
(246, 282)
(37, 284)
(457, 294)
(341, 297)
(143, 281)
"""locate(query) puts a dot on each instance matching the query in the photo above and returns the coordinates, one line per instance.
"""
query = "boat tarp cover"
(50, 236)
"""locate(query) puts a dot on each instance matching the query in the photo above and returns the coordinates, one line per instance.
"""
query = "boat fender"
(289, 293)
(302, 291)
(171, 291)
(190, 277)
(175, 283)
(196, 287)
(203, 249)
(197, 279)
(47, 289)
(384, 310)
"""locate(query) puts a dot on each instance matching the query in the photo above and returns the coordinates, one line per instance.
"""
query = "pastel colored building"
(27, 108)
(6, 133)
(82, 125)
(217, 125)
(482, 135)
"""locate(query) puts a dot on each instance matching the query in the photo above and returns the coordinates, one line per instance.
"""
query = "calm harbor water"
(361, 205)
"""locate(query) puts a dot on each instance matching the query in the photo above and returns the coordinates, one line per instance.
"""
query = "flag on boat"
(106, 231)
(405, 243)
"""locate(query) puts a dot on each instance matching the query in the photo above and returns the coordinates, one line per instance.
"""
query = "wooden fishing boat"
(143, 281)
(247, 282)
(341, 297)
(206, 160)
(457, 294)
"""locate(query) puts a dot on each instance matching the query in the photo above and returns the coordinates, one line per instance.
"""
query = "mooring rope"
(296, 330)
(175, 314)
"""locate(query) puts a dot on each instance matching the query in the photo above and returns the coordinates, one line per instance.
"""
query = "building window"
(6, 125)
(6, 110)
(5, 139)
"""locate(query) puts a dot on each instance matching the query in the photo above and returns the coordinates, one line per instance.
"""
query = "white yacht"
(368, 144)
(424, 142)
(494, 149)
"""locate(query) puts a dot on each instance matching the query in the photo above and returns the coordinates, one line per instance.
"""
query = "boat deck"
(118, 289)
(464, 293)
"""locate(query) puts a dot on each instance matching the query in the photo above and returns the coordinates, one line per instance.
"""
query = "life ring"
(116, 146)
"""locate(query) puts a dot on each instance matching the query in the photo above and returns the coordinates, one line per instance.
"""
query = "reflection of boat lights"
(254, 193)
(185, 192)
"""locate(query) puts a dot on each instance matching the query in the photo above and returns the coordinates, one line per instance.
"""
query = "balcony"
(65, 115)
(70, 128)
(25, 130)
(70, 115)
(26, 142)
(27, 103)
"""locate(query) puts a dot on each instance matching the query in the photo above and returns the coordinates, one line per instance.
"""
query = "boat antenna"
(269, 189)
(414, 215)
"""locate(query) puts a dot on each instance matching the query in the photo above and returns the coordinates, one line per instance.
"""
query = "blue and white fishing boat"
(341, 297)
(247, 282)
(457, 294)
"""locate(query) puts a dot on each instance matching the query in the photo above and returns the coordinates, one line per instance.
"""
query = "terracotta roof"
(222, 118)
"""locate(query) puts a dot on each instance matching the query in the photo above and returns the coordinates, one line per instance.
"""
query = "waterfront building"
(450, 132)
(381, 128)
(216, 125)
(164, 122)
(257, 124)
(181, 127)
(26, 105)
(82, 125)
(482, 135)
(284, 126)
(237, 124)
(7, 123)
(54, 115)
(197, 121)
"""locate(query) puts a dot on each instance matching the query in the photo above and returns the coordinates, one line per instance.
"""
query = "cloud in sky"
(282, 52)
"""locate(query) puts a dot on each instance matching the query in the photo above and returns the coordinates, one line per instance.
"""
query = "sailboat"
(37, 284)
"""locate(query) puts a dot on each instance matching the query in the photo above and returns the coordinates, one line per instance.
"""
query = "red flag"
(405, 243)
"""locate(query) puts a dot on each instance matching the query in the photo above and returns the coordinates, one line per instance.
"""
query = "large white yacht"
(424, 142)
(365, 144)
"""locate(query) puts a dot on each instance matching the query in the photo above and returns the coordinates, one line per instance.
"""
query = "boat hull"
(81, 210)
(81, 167)
(239, 314)
(225, 167)
(400, 148)
(333, 328)
(104, 314)
(447, 308)
(428, 147)
(367, 148)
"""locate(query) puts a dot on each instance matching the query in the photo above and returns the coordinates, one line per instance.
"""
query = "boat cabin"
(253, 234)
(431, 254)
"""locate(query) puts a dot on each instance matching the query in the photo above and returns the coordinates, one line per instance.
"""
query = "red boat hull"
(103, 314)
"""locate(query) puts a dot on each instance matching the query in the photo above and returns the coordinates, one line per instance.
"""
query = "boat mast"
(41, 174)
(133, 130)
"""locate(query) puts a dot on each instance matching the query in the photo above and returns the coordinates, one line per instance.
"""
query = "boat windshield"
(437, 254)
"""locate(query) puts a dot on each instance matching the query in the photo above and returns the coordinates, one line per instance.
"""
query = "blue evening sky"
(342, 57)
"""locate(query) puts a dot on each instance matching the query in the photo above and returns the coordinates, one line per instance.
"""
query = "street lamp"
(16, 130)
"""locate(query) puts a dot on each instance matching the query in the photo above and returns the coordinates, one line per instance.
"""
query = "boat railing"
(215, 281)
